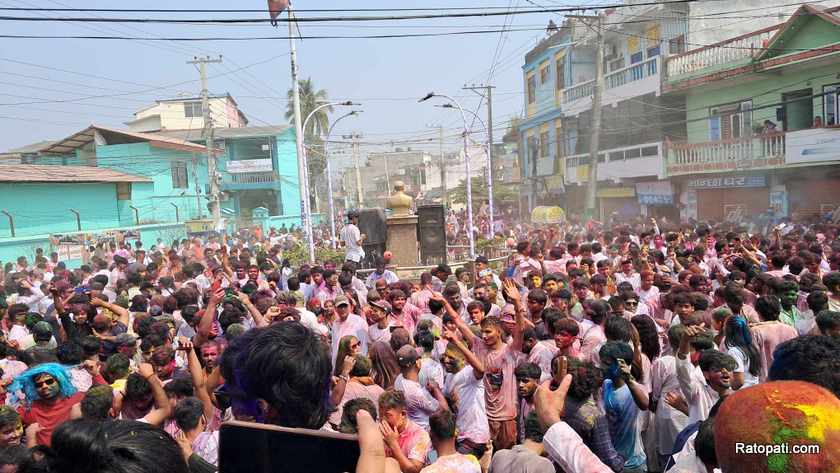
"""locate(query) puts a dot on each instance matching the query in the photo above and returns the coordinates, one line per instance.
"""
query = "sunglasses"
(631, 303)
(46, 382)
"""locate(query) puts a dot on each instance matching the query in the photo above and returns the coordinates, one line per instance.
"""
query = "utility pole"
(207, 133)
(594, 143)
(359, 195)
(489, 91)
(303, 176)
(443, 185)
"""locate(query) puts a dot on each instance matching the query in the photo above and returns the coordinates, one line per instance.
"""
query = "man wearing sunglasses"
(50, 397)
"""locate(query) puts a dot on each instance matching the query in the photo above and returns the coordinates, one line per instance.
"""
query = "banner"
(655, 193)
(728, 182)
(275, 8)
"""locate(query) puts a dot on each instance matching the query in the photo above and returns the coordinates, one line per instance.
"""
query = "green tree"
(501, 192)
(310, 99)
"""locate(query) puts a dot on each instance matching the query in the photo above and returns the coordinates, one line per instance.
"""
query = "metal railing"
(718, 54)
(252, 177)
(734, 153)
(617, 78)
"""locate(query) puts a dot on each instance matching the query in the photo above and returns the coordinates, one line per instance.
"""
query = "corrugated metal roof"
(47, 173)
(82, 138)
(225, 133)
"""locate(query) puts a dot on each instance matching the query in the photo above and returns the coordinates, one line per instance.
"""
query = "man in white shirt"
(353, 238)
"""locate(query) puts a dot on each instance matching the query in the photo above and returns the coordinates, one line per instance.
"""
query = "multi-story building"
(559, 81)
(761, 120)
(187, 114)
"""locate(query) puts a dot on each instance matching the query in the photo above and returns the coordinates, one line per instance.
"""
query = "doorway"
(799, 110)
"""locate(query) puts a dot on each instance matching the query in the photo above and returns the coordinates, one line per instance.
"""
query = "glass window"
(676, 45)
(123, 191)
(544, 143)
(559, 75)
(532, 89)
(543, 73)
(830, 103)
(193, 109)
(179, 175)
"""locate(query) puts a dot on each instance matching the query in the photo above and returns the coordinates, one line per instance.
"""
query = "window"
(179, 175)
(532, 89)
(730, 121)
(193, 110)
(676, 45)
(123, 191)
(559, 76)
(830, 104)
(558, 139)
(616, 64)
(543, 73)
(544, 141)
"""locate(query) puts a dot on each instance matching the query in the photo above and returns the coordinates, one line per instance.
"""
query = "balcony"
(249, 180)
(734, 52)
(752, 152)
(618, 163)
(628, 82)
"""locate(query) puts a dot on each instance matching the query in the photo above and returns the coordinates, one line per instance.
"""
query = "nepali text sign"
(726, 182)
(249, 165)
(655, 193)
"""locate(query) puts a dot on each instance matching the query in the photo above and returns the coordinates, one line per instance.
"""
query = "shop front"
(725, 197)
(618, 200)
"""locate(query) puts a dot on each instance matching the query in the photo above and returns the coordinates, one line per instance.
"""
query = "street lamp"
(329, 174)
(470, 229)
(304, 180)
(490, 231)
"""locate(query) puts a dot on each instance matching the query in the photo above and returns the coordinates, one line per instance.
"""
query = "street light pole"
(470, 229)
(329, 174)
(489, 167)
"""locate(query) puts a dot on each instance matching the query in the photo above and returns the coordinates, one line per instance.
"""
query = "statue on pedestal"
(400, 202)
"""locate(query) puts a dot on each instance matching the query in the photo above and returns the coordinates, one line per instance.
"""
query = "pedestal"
(402, 239)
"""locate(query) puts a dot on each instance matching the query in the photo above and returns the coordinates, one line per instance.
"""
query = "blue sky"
(386, 75)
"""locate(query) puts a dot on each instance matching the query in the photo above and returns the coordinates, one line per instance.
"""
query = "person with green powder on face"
(788, 293)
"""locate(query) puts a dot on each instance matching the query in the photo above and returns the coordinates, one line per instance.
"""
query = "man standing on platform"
(353, 238)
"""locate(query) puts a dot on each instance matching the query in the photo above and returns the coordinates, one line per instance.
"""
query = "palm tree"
(317, 126)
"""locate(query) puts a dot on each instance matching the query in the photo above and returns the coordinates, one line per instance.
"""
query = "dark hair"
(618, 329)
(286, 365)
(738, 335)
(599, 311)
(137, 387)
(538, 295)
(399, 338)
(179, 388)
(435, 306)
(568, 325)
(348, 414)
(8, 416)
(97, 402)
(831, 280)
(713, 360)
(811, 358)
(527, 370)
(768, 307)
(616, 351)
(532, 428)
(69, 353)
(704, 442)
(817, 301)
(362, 366)
(391, 399)
(82, 446)
(442, 425)
(828, 320)
(91, 346)
(188, 413)
(586, 377)
(116, 367)
(648, 336)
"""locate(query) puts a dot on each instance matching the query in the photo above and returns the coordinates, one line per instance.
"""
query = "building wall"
(755, 86)
(287, 169)
(42, 208)
(155, 199)
(172, 116)
(708, 19)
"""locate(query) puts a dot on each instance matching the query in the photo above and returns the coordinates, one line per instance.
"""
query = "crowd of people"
(644, 347)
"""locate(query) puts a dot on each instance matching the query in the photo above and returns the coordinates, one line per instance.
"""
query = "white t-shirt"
(472, 415)
(351, 235)
(419, 403)
(743, 361)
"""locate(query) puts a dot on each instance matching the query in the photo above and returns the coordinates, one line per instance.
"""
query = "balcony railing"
(719, 54)
(727, 155)
(617, 78)
(252, 177)
(618, 163)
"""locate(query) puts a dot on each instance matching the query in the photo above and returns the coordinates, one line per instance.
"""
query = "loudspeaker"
(431, 233)
(373, 224)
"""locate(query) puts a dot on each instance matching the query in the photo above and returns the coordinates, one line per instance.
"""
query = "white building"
(187, 114)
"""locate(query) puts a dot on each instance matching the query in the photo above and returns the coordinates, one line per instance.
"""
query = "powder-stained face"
(721, 378)
(47, 386)
(789, 298)
(11, 434)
